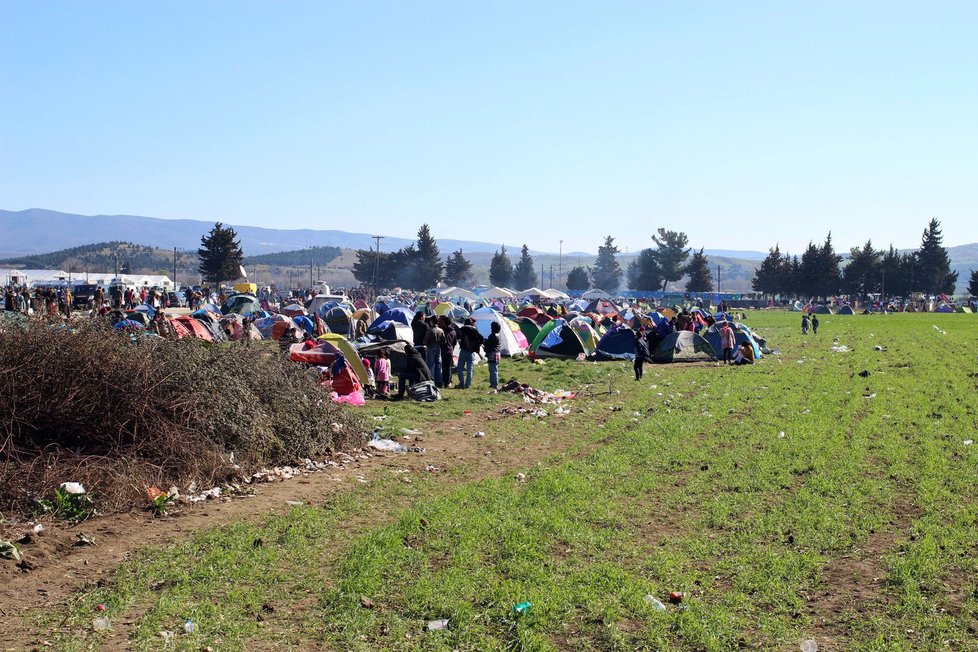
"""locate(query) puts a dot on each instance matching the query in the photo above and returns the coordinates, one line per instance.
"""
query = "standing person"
(382, 369)
(804, 324)
(469, 342)
(434, 341)
(415, 371)
(420, 329)
(447, 350)
(728, 341)
(493, 347)
(814, 324)
(641, 354)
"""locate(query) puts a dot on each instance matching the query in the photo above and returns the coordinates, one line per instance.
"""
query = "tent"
(529, 328)
(617, 344)
(401, 315)
(796, 306)
(455, 292)
(305, 324)
(395, 350)
(453, 312)
(602, 307)
(531, 293)
(595, 294)
(511, 338)
(846, 310)
(589, 338)
(555, 294)
(964, 309)
(293, 310)
(242, 304)
(351, 354)
(819, 309)
(187, 326)
(945, 307)
(497, 293)
(274, 327)
(557, 340)
(391, 330)
(339, 320)
(534, 313)
(683, 346)
(741, 335)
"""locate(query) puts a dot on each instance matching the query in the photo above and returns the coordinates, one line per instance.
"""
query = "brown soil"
(62, 566)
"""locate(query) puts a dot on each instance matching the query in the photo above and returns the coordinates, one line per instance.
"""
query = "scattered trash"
(809, 645)
(522, 607)
(38, 528)
(479, 435)
(969, 442)
(521, 477)
(410, 432)
(873, 395)
(83, 539)
(466, 412)
(366, 602)
(101, 607)
(840, 349)
(655, 603)
(781, 435)
(387, 444)
(879, 348)
(101, 624)
(437, 624)
(73, 488)
(189, 627)
(676, 597)
(8, 550)
(864, 373)
(166, 635)
(293, 503)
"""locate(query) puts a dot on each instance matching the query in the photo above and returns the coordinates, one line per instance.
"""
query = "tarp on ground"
(683, 346)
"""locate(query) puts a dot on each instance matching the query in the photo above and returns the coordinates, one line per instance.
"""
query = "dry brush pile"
(93, 406)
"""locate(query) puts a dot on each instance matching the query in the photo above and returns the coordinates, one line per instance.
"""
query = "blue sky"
(739, 123)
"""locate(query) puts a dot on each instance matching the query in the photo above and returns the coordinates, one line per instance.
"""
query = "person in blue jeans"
(492, 348)
(469, 343)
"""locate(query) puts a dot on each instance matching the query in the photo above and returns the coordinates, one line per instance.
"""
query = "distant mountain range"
(38, 230)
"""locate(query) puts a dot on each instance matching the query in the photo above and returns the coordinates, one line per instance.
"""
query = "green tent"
(683, 346)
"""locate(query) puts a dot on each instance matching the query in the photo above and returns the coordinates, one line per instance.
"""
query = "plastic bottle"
(101, 624)
(809, 645)
(190, 626)
(655, 603)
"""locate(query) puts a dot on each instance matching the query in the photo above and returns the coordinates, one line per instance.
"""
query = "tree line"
(820, 273)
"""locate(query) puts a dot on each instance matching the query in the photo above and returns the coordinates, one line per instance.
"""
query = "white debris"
(74, 488)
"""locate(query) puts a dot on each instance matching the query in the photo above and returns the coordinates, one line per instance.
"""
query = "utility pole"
(310, 273)
(560, 263)
(378, 238)
(175, 269)
(551, 276)
(718, 279)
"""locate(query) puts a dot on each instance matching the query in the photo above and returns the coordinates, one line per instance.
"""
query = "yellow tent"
(352, 357)
(246, 288)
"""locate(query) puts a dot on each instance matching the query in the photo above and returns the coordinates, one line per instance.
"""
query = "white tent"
(497, 293)
(555, 294)
(532, 292)
(509, 345)
(595, 294)
(451, 292)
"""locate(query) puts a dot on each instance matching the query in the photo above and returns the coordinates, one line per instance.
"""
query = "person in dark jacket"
(641, 354)
(493, 348)
(415, 370)
(447, 350)
(420, 329)
(469, 343)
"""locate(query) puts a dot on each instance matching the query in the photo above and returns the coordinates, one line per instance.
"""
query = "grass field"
(790, 500)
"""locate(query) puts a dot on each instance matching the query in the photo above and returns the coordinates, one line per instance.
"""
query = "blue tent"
(402, 315)
(617, 344)
(305, 324)
(741, 335)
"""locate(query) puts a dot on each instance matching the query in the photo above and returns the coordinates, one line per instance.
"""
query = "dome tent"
(683, 346)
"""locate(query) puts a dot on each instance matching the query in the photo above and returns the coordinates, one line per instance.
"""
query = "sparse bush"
(92, 406)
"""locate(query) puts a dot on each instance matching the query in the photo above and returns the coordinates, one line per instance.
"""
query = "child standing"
(383, 372)
(641, 353)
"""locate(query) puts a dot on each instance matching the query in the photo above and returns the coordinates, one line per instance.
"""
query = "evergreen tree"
(769, 276)
(401, 269)
(500, 269)
(427, 263)
(698, 270)
(524, 276)
(973, 283)
(896, 270)
(862, 275)
(670, 255)
(458, 269)
(577, 279)
(933, 272)
(828, 278)
(607, 273)
(644, 274)
(808, 271)
(364, 265)
(792, 281)
(220, 255)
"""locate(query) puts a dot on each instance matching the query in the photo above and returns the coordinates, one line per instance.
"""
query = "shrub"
(94, 406)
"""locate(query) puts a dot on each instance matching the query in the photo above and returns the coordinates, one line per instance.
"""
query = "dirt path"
(62, 567)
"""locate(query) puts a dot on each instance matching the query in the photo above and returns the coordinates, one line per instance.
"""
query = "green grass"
(699, 495)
